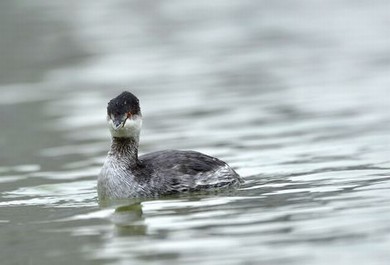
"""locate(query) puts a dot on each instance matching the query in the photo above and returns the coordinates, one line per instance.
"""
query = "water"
(292, 94)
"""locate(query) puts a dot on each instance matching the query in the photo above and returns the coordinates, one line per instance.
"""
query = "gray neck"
(125, 149)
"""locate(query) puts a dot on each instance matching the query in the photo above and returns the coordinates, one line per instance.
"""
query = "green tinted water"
(296, 100)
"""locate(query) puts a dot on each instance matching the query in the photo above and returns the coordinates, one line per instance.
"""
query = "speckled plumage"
(125, 175)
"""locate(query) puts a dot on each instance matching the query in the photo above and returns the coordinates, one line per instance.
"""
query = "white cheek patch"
(131, 128)
(133, 125)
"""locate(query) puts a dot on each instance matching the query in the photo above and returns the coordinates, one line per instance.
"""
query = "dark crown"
(124, 103)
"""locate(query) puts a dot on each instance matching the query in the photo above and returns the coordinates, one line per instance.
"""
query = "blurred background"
(293, 94)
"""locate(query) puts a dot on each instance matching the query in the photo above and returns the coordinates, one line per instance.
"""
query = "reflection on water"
(293, 94)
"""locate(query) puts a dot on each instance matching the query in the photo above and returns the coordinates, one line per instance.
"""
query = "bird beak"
(118, 122)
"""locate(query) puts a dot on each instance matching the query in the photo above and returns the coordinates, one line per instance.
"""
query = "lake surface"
(292, 94)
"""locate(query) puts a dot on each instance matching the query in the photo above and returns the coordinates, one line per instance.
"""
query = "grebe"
(127, 175)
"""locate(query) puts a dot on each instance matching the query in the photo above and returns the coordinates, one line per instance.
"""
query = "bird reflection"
(129, 220)
(127, 217)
